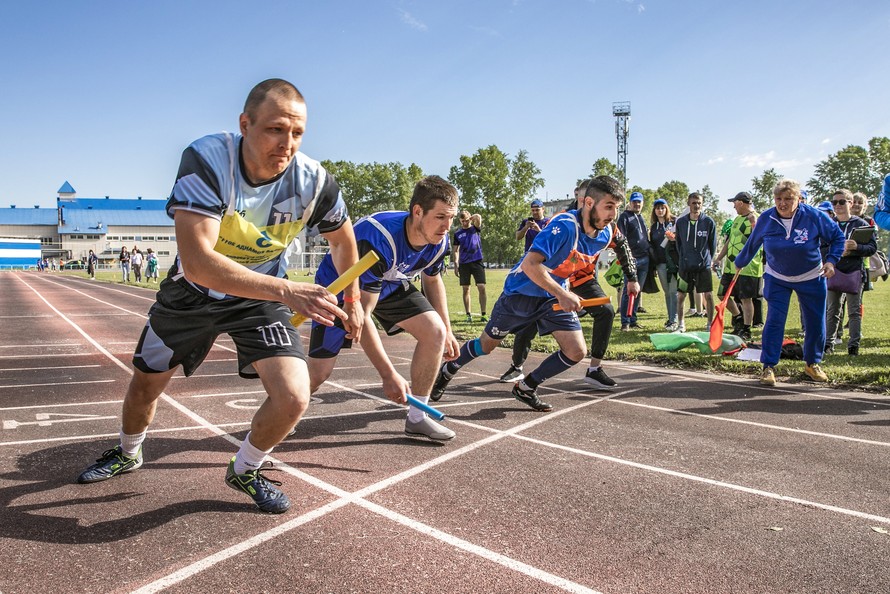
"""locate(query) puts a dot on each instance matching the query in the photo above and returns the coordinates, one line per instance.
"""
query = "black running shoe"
(441, 383)
(512, 375)
(530, 398)
(261, 489)
(598, 379)
(112, 463)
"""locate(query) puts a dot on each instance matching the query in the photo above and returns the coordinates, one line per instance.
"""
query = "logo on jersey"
(556, 230)
(264, 240)
(496, 332)
(801, 236)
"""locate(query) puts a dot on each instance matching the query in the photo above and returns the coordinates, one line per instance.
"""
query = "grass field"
(870, 371)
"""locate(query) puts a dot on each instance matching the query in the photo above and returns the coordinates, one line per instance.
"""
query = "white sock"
(249, 457)
(130, 444)
(592, 369)
(415, 415)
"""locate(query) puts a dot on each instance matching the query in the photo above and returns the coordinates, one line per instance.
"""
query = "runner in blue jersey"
(408, 243)
(238, 202)
(570, 242)
(467, 256)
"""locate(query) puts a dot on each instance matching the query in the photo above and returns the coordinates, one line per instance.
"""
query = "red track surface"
(676, 482)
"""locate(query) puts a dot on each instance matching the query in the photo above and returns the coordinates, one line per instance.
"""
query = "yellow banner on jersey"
(245, 243)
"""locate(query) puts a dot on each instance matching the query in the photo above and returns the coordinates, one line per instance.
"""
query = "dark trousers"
(602, 315)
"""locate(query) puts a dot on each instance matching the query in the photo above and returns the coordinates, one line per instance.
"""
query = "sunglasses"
(836, 202)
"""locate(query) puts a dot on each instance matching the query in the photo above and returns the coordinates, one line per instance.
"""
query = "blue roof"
(111, 204)
(87, 221)
(66, 188)
(28, 216)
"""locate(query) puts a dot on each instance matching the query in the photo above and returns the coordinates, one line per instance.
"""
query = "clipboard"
(862, 234)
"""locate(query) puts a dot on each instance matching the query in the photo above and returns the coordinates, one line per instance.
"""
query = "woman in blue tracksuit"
(790, 234)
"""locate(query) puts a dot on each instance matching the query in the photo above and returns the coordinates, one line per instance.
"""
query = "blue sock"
(552, 365)
(469, 351)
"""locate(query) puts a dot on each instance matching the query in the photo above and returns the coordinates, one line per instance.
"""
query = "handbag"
(614, 275)
(846, 282)
(650, 286)
(877, 266)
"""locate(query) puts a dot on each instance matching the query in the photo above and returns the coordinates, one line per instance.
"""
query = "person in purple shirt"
(530, 227)
(467, 257)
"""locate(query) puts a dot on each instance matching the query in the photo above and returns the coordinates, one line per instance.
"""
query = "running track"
(677, 482)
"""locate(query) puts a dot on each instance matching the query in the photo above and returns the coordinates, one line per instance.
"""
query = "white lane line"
(752, 423)
(712, 482)
(41, 345)
(33, 406)
(53, 354)
(345, 497)
(46, 368)
(66, 383)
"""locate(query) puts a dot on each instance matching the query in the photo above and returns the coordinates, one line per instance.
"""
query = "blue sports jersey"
(470, 243)
(566, 249)
(384, 232)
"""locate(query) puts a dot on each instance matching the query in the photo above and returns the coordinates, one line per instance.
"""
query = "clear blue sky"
(107, 94)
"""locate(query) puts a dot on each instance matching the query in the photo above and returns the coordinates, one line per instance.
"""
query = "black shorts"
(184, 323)
(747, 287)
(700, 280)
(326, 342)
(474, 269)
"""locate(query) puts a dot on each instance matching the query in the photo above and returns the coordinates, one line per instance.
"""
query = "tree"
(500, 189)
(762, 189)
(853, 167)
(373, 187)
(603, 166)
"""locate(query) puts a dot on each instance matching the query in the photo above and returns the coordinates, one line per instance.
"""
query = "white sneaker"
(680, 328)
(427, 427)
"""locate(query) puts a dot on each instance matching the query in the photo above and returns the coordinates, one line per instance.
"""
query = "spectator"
(530, 227)
(661, 236)
(850, 275)
(633, 227)
(151, 271)
(696, 244)
(467, 248)
(136, 263)
(791, 233)
(859, 208)
(92, 260)
(124, 258)
(748, 284)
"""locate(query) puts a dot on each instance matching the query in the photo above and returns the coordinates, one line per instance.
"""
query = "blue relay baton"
(436, 414)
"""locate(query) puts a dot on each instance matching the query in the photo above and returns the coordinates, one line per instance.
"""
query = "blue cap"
(659, 201)
(804, 195)
(537, 203)
(636, 197)
(826, 206)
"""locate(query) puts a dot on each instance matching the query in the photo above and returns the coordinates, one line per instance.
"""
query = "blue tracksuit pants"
(812, 296)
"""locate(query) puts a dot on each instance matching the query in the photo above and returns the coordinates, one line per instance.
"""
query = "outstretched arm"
(434, 290)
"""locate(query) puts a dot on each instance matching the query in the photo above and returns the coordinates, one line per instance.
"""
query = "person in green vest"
(747, 287)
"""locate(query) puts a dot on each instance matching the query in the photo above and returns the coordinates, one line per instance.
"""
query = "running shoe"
(815, 372)
(681, 328)
(512, 375)
(483, 318)
(259, 487)
(530, 398)
(441, 383)
(469, 319)
(112, 463)
(427, 427)
(598, 379)
(768, 377)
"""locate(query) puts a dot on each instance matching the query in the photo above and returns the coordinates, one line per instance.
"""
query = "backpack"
(878, 266)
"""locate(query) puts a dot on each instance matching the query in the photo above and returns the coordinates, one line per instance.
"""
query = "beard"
(594, 221)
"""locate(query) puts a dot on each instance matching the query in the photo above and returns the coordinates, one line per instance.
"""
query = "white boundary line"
(345, 498)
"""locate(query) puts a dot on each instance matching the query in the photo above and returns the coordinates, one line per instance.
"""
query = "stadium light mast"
(621, 111)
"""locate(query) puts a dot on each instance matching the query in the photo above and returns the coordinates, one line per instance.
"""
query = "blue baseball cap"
(804, 195)
(537, 203)
(826, 206)
(636, 197)
(659, 201)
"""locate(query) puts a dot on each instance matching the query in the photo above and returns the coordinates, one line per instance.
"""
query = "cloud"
(411, 21)
(715, 160)
(486, 31)
(757, 160)
(640, 8)
(826, 140)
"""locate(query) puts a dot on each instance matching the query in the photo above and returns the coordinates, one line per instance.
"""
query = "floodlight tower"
(621, 111)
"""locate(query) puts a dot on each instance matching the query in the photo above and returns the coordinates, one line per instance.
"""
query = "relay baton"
(344, 280)
(587, 302)
(436, 414)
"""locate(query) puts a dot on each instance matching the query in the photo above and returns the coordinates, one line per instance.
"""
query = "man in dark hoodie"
(696, 244)
(633, 227)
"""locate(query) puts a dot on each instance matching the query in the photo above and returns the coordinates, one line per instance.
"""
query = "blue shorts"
(513, 313)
